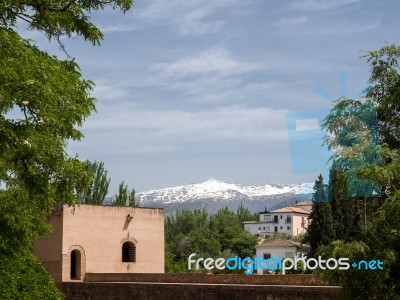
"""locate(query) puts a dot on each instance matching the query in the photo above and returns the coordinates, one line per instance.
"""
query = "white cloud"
(219, 90)
(291, 21)
(345, 27)
(192, 17)
(104, 91)
(173, 127)
(117, 27)
(212, 61)
(134, 148)
(320, 5)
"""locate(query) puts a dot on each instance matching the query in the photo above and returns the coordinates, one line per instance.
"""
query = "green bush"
(22, 277)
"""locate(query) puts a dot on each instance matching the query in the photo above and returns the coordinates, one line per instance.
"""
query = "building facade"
(291, 220)
(102, 239)
(276, 249)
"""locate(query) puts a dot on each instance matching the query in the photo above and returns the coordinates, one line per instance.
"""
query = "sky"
(192, 90)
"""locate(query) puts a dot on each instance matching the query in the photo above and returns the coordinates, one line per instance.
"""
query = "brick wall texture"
(199, 286)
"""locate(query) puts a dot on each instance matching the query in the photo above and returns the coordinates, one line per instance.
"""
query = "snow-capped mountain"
(214, 194)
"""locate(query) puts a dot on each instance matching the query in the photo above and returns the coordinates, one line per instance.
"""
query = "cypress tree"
(321, 230)
(345, 210)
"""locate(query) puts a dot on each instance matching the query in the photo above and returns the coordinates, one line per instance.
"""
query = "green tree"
(320, 231)
(361, 283)
(226, 226)
(24, 278)
(219, 235)
(354, 135)
(37, 119)
(97, 191)
(132, 199)
(244, 214)
(380, 237)
(385, 92)
(43, 102)
(346, 211)
(125, 197)
(231, 234)
(121, 198)
(189, 232)
(58, 19)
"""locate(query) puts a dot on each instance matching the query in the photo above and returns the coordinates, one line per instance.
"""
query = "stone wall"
(289, 279)
(49, 248)
(97, 233)
(102, 230)
(199, 286)
(192, 291)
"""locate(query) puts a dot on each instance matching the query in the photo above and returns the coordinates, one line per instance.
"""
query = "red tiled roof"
(278, 243)
(291, 209)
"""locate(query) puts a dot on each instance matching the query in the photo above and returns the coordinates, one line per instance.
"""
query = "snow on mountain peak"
(216, 189)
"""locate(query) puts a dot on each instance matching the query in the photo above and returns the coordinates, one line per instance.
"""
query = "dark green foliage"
(43, 102)
(226, 226)
(360, 284)
(22, 277)
(125, 198)
(354, 136)
(121, 198)
(244, 214)
(131, 199)
(385, 92)
(188, 232)
(35, 177)
(219, 235)
(231, 234)
(368, 228)
(33, 85)
(97, 191)
(320, 231)
(346, 211)
(384, 235)
(20, 223)
(58, 19)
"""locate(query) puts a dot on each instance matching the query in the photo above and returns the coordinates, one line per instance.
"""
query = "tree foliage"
(244, 214)
(368, 227)
(43, 102)
(361, 283)
(218, 235)
(97, 190)
(385, 92)
(321, 230)
(59, 19)
(125, 197)
(24, 278)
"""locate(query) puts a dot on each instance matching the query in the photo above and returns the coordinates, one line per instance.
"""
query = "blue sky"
(191, 90)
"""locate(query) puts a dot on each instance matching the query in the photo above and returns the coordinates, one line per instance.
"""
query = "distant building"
(276, 249)
(292, 220)
(102, 239)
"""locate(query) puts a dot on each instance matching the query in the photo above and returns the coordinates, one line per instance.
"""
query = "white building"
(277, 249)
(292, 220)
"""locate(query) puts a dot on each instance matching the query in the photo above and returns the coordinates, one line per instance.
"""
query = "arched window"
(75, 264)
(128, 252)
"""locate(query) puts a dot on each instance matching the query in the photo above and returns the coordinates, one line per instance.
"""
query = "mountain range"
(215, 194)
